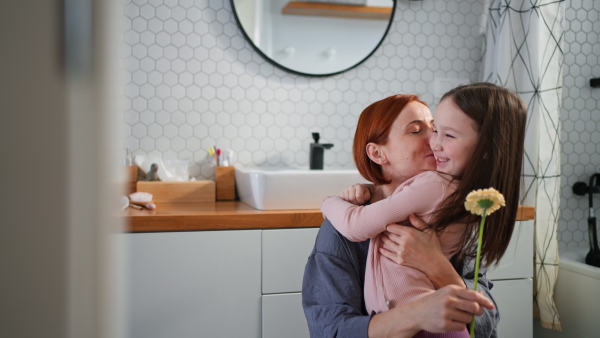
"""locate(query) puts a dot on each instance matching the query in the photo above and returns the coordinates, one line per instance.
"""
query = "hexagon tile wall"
(194, 82)
(580, 117)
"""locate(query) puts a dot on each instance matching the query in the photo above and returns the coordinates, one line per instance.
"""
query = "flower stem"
(477, 259)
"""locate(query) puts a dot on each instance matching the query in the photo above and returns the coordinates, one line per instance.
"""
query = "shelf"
(337, 10)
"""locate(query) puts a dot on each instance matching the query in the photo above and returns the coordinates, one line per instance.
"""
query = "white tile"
(178, 92)
(178, 144)
(155, 25)
(147, 144)
(154, 131)
(139, 24)
(178, 13)
(163, 39)
(147, 11)
(215, 131)
(170, 26)
(201, 132)
(139, 51)
(139, 104)
(178, 39)
(178, 118)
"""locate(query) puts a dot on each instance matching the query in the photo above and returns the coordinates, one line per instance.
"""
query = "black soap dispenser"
(316, 152)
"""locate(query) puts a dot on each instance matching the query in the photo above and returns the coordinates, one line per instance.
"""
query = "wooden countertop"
(233, 215)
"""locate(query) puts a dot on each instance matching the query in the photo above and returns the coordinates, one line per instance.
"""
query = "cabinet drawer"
(518, 259)
(193, 284)
(282, 316)
(284, 256)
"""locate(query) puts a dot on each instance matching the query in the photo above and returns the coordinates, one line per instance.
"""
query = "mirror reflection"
(314, 38)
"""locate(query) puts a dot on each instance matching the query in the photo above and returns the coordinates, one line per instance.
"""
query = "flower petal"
(490, 197)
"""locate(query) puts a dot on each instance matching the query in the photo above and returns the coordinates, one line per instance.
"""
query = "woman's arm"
(448, 309)
(420, 250)
(332, 297)
(421, 194)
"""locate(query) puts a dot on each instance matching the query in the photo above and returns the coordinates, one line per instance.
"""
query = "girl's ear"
(375, 153)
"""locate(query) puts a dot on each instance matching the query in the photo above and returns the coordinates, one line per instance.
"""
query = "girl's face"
(453, 139)
(407, 151)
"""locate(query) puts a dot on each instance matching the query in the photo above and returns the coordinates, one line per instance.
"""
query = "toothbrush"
(212, 153)
(143, 199)
(229, 157)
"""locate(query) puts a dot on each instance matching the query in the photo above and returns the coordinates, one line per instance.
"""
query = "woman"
(334, 277)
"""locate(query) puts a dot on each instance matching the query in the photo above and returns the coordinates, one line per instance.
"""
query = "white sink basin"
(267, 188)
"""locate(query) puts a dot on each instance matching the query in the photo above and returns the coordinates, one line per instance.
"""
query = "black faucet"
(580, 188)
(316, 152)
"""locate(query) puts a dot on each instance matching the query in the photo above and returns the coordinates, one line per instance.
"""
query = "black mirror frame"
(271, 61)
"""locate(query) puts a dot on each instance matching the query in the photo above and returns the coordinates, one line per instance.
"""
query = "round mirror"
(315, 38)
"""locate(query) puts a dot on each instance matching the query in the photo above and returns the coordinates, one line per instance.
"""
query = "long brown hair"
(374, 125)
(496, 162)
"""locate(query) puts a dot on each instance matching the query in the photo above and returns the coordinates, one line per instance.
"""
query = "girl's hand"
(357, 194)
(419, 249)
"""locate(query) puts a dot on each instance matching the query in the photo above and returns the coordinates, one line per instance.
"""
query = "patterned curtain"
(523, 51)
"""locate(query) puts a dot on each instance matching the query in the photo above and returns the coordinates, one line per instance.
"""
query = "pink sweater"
(385, 280)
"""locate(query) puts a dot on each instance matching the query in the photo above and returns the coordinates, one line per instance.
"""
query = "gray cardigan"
(332, 289)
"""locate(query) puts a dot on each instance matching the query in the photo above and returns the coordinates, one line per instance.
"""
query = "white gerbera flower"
(482, 202)
(488, 200)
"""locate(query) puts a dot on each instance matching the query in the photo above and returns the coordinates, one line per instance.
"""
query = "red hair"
(374, 126)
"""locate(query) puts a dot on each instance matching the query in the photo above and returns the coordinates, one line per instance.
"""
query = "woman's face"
(407, 150)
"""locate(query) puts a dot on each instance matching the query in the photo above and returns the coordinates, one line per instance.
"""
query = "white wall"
(194, 82)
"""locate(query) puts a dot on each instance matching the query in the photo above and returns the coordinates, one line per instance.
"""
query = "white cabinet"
(517, 261)
(194, 284)
(284, 256)
(248, 283)
(514, 300)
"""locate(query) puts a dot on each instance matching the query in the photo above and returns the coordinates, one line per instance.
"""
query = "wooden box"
(179, 192)
(131, 177)
(225, 179)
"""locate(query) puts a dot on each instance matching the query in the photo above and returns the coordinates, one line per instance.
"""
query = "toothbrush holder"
(225, 183)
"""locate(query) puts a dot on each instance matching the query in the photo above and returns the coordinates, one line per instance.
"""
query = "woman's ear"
(375, 153)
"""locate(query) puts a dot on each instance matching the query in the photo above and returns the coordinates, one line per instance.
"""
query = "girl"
(477, 143)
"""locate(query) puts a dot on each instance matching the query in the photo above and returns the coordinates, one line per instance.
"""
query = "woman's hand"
(448, 309)
(419, 249)
(357, 194)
